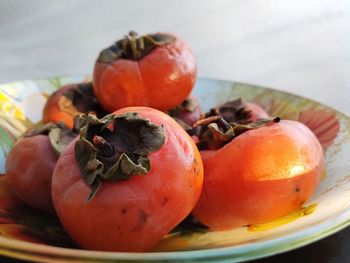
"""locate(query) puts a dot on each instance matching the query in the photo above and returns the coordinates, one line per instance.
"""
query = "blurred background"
(293, 45)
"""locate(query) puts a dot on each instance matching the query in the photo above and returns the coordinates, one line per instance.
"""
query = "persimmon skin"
(256, 112)
(29, 169)
(52, 111)
(131, 215)
(161, 80)
(260, 175)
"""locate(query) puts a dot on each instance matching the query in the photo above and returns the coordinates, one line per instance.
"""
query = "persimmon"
(130, 178)
(256, 172)
(69, 101)
(30, 163)
(155, 70)
(187, 113)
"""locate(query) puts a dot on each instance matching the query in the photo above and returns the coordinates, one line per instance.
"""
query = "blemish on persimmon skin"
(123, 211)
(143, 216)
(142, 220)
(165, 201)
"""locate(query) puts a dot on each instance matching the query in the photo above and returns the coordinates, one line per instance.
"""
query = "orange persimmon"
(30, 163)
(69, 101)
(263, 173)
(155, 70)
(130, 178)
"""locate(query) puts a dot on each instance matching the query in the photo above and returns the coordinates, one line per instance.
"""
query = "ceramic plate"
(32, 235)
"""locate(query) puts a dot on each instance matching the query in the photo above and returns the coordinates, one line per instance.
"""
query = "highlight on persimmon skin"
(128, 214)
(260, 175)
(69, 101)
(155, 70)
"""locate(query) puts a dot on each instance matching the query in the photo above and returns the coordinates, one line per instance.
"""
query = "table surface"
(297, 46)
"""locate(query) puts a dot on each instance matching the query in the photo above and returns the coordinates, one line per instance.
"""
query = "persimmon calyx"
(80, 99)
(59, 134)
(188, 105)
(231, 111)
(134, 47)
(214, 132)
(115, 147)
(183, 124)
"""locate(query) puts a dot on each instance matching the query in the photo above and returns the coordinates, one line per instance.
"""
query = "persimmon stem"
(104, 147)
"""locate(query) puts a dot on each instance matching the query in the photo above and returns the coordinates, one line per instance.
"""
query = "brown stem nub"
(115, 148)
(105, 148)
(134, 47)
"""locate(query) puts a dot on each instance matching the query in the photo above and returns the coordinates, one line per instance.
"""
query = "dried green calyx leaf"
(188, 105)
(115, 148)
(231, 111)
(134, 47)
(214, 132)
(59, 134)
(81, 99)
(183, 124)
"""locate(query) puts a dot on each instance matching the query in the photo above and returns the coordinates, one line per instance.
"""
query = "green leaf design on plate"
(5, 146)
(333, 191)
(56, 82)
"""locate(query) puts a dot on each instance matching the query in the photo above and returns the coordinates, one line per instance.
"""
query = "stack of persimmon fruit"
(126, 158)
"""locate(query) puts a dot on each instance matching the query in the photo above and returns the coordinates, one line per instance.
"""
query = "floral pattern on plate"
(33, 235)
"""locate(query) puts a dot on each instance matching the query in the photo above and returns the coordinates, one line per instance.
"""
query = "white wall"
(295, 45)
